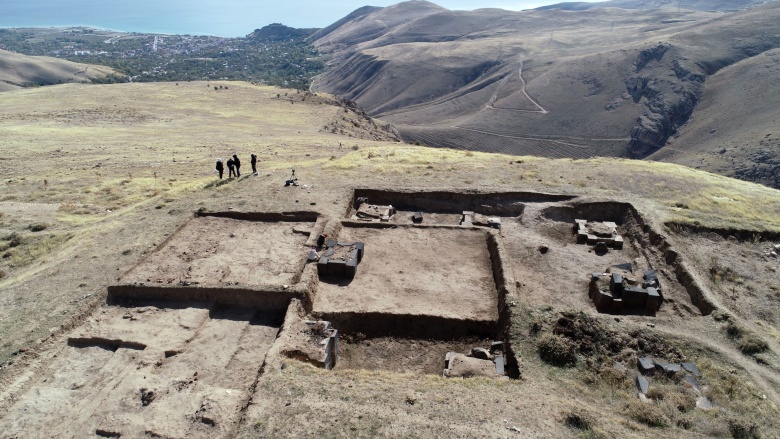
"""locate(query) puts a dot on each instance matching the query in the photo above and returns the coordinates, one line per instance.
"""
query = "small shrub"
(741, 429)
(14, 240)
(680, 401)
(720, 316)
(579, 420)
(733, 330)
(685, 423)
(38, 227)
(556, 350)
(3, 274)
(648, 414)
(656, 393)
(355, 148)
(751, 344)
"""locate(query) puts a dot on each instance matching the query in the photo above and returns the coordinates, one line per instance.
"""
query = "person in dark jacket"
(253, 161)
(231, 169)
(220, 168)
(237, 164)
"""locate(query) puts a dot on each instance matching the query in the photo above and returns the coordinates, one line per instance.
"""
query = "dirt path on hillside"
(766, 379)
(503, 82)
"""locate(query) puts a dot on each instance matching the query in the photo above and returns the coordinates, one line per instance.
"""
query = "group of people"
(234, 166)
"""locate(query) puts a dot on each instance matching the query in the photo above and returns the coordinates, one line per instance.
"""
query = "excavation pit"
(446, 207)
(561, 274)
(217, 251)
(401, 355)
(174, 369)
(415, 271)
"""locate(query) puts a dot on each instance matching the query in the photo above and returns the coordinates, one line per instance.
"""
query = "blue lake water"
(229, 18)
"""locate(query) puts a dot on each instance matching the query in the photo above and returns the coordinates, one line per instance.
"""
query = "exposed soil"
(215, 251)
(402, 355)
(171, 370)
(551, 266)
(415, 271)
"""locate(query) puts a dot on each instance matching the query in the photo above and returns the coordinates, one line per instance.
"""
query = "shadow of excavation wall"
(271, 298)
(501, 204)
(643, 233)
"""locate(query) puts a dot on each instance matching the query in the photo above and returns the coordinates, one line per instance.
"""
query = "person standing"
(253, 162)
(237, 164)
(231, 169)
(220, 168)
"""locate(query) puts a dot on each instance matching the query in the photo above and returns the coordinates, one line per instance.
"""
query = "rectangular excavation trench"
(406, 308)
(249, 259)
(554, 269)
(161, 369)
(217, 249)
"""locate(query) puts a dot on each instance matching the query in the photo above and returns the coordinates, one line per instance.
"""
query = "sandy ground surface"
(414, 271)
(198, 363)
(218, 251)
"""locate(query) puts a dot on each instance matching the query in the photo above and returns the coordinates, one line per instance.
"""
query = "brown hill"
(554, 83)
(701, 5)
(17, 71)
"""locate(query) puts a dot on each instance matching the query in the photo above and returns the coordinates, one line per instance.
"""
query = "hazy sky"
(215, 17)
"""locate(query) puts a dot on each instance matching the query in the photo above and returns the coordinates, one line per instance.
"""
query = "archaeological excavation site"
(415, 282)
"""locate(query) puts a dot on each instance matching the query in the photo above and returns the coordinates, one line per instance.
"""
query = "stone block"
(360, 246)
(350, 270)
(500, 364)
(668, 368)
(448, 357)
(322, 266)
(646, 365)
(654, 300)
(651, 279)
(497, 346)
(603, 300)
(617, 305)
(692, 369)
(337, 267)
(634, 297)
(625, 266)
(616, 283)
(417, 218)
(704, 403)
(618, 242)
(693, 382)
(643, 384)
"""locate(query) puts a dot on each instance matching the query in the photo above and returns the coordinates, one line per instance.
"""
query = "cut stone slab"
(668, 368)
(634, 297)
(691, 368)
(463, 366)
(500, 364)
(625, 266)
(643, 384)
(654, 300)
(694, 383)
(646, 365)
(704, 403)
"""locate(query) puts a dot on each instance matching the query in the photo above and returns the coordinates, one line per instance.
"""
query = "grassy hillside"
(17, 71)
(102, 174)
